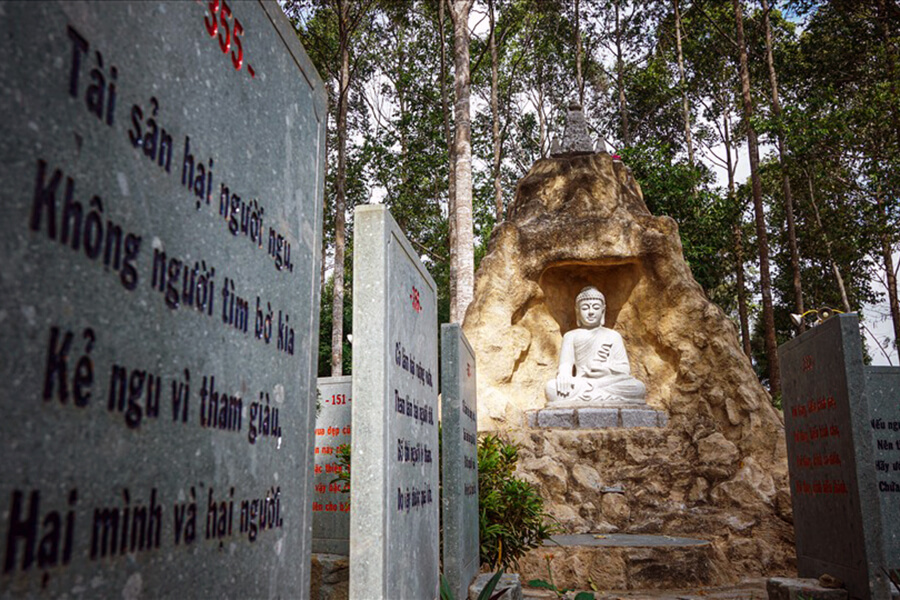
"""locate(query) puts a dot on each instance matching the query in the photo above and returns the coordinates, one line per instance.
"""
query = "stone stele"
(161, 230)
(718, 470)
(331, 498)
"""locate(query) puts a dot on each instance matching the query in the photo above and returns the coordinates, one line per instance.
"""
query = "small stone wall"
(667, 482)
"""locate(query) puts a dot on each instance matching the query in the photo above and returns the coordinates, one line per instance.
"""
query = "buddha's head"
(590, 308)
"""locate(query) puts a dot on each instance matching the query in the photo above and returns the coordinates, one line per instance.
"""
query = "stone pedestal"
(596, 418)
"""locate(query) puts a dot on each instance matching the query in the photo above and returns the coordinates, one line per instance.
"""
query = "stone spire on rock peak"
(576, 140)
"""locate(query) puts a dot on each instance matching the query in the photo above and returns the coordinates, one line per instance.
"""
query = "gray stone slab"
(159, 333)
(883, 395)
(662, 418)
(837, 513)
(562, 418)
(636, 417)
(331, 498)
(790, 588)
(459, 448)
(394, 490)
(511, 582)
(623, 540)
(598, 418)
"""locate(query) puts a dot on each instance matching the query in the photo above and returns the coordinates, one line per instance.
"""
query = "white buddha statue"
(593, 364)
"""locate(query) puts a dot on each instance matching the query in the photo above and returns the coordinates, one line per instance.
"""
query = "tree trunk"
(738, 245)
(451, 155)
(579, 76)
(340, 189)
(891, 279)
(462, 255)
(684, 97)
(885, 19)
(322, 264)
(845, 301)
(495, 119)
(762, 237)
(785, 178)
(620, 80)
(542, 120)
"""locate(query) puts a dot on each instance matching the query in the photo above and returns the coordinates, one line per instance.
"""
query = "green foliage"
(512, 519)
(674, 188)
(325, 303)
(342, 454)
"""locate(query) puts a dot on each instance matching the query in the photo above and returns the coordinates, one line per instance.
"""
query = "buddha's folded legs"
(612, 389)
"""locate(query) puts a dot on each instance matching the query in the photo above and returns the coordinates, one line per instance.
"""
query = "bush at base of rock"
(512, 519)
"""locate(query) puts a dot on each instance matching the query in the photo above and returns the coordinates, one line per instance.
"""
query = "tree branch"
(716, 25)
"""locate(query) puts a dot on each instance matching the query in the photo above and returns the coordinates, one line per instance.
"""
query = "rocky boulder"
(718, 470)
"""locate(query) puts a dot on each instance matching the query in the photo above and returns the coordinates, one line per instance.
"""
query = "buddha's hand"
(597, 371)
(564, 384)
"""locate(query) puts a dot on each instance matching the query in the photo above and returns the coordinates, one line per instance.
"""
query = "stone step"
(596, 418)
(625, 562)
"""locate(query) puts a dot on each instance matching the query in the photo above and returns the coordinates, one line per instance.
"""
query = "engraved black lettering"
(185, 517)
(55, 368)
(104, 532)
(22, 529)
(79, 48)
(187, 167)
(94, 98)
(45, 199)
(181, 392)
(72, 212)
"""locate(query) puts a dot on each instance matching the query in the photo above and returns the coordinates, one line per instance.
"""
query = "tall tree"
(683, 83)
(333, 25)
(716, 83)
(620, 74)
(847, 128)
(782, 158)
(761, 234)
(462, 255)
(345, 29)
(451, 147)
(495, 115)
(888, 13)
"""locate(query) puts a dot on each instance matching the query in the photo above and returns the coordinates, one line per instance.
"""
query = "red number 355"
(228, 35)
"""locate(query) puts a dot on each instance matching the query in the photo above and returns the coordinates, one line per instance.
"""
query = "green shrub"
(342, 453)
(512, 520)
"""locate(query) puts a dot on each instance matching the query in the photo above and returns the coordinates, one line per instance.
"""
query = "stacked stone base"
(330, 577)
(659, 481)
(623, 562)
(597, 418)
